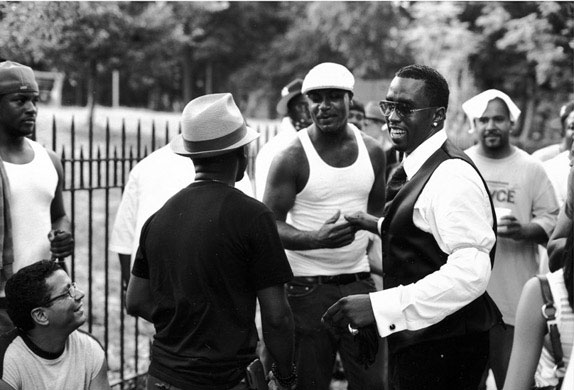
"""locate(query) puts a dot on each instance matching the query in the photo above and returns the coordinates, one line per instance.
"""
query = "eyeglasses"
(72, 292)
(403, 110)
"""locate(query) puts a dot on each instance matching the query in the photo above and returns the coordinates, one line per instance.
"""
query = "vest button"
(392, 327)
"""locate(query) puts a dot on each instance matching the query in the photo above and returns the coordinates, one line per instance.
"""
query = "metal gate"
(96, 166)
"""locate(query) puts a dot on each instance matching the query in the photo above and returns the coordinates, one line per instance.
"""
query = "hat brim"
(178, 145)
(282, 105)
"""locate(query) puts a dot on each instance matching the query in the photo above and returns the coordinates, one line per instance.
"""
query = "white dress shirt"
(454, 207)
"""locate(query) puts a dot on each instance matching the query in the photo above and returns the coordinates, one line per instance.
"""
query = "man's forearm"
(125, 269)
(62, 223)
(280, 343)
(556, 253)
(534, 232)
(295, 239)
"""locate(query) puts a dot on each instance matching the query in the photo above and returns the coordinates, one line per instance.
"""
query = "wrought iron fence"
(96, 163)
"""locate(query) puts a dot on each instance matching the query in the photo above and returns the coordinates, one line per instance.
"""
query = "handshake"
(334, 234)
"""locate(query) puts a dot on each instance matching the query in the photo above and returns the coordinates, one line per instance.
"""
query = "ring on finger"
(352, 330)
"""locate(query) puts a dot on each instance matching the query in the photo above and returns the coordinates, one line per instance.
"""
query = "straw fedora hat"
(212, 125)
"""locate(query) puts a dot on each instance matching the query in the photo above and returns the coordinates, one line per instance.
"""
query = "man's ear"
(39, 316)
(439, 115)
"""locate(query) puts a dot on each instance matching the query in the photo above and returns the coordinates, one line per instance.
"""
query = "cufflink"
(392, 327)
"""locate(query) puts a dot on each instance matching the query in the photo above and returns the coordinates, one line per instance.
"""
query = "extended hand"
(363, 221)
(61, 243)
(335, 235)
(353, 309)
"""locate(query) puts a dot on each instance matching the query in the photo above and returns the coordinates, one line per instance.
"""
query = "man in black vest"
(438, 247)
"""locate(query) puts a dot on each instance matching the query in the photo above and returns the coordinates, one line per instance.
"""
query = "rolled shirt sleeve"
(454, 207)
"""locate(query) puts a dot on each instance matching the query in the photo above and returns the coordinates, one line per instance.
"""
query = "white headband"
(475, 107)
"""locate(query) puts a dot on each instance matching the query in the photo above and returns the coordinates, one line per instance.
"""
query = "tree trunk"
(529, 109)
(92, 89)
(187, 74)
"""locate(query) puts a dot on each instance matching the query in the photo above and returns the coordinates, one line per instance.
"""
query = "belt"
(333, 279)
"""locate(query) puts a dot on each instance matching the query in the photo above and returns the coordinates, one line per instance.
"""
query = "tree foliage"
(166, 51)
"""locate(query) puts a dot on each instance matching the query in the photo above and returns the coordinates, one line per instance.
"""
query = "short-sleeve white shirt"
(151, 183)
(77, 366)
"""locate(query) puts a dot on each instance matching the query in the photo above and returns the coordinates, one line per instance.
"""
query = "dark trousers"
(316, 345)
(501, 337)
(455, 363)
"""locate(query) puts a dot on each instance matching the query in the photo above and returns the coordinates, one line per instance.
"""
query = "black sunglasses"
(403, 110)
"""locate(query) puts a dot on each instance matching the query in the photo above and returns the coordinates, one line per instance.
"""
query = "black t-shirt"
(206, 253)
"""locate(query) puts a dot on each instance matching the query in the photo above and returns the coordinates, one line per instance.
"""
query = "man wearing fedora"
(329, 169)
(205, 258)
(33, 220)
(295, 111)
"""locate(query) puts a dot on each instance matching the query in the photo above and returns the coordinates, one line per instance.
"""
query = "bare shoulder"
(55, 159)
(290, 166)
(373, 146)
(375, 149)
(291, 156)
(532, 289)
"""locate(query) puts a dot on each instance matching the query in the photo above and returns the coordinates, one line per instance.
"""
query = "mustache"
(488, 133)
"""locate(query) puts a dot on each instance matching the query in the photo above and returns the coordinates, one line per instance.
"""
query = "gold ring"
(352, 330)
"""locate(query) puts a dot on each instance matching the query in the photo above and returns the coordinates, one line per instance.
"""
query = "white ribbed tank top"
(32, 187)
(330, 189)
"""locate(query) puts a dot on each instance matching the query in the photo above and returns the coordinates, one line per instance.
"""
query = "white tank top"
(330, 189)
(32, 187)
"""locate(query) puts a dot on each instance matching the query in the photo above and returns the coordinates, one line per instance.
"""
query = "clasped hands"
(61, 243)
(333, 234)
(353, 310)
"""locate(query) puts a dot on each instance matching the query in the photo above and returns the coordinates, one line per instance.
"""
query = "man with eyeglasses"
(438, 240)
(47, 350)
(521, 189)
(33, 220)
(328, 170)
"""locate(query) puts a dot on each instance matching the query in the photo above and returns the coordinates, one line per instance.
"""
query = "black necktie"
(397, 181)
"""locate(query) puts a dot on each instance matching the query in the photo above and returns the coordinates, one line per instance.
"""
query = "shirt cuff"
(380, 224)
(386, 306)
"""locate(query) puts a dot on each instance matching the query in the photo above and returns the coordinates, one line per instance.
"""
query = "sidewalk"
(342, 385)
